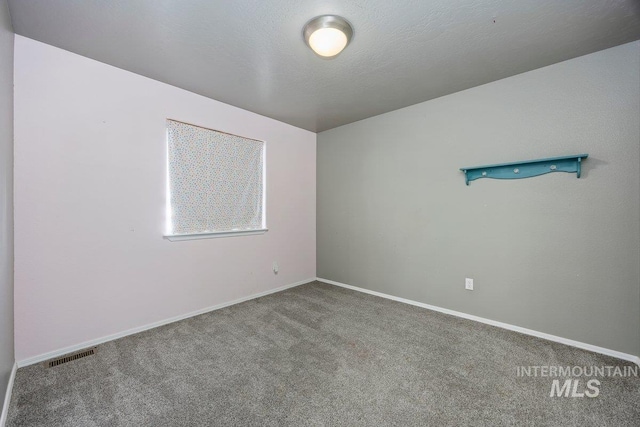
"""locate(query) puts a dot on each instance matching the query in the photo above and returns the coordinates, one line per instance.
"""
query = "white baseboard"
(578, 344)
(90, 343)
(94, 342)
(7, 396)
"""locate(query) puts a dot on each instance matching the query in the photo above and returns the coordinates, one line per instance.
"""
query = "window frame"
(213, 234)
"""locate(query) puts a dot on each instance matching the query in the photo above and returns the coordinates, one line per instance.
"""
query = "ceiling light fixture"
(327, 35)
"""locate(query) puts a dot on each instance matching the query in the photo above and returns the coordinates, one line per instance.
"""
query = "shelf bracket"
(526, 169)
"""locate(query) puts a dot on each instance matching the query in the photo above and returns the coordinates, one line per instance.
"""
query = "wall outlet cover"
(468, 284)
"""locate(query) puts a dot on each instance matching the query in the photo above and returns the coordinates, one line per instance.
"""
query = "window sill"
(197, 236)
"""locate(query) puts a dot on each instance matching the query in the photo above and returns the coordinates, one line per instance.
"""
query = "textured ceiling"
(251, 54)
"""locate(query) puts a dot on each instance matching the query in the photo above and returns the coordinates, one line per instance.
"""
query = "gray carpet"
(319, 355)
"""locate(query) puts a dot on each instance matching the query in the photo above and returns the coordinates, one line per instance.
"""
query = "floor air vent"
(70, 357)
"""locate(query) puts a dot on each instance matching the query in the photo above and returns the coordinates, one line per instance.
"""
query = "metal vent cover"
(72, 356)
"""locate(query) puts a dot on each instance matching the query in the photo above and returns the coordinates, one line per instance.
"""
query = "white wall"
(552, 253)
(90, 204)
(6, 198)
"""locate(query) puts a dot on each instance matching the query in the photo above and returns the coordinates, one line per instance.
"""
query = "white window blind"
(216, 182)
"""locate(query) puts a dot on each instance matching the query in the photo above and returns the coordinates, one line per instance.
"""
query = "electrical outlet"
(275, 267)
(468, 284)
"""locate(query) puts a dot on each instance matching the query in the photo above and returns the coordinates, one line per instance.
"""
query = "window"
(215, 183)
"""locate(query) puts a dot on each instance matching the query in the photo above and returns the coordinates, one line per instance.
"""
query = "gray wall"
(6, 198)
(552, 253)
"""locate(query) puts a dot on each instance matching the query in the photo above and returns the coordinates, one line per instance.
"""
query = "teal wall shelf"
(526, 169)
